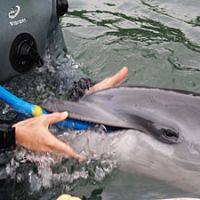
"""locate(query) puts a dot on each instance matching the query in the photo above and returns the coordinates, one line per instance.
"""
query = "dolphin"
(157, 131)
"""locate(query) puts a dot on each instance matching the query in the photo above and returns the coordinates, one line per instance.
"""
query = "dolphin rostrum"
(163, 136)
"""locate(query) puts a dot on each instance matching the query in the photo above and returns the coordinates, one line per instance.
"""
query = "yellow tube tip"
(67, 197)
(37, 110)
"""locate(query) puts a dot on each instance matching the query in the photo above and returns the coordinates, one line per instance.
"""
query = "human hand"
(33, 134)
(111, 81)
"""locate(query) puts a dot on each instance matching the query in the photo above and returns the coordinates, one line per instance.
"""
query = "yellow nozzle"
(37, 110)
(67, 197)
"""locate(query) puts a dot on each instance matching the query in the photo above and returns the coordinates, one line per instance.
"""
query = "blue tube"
(16, 103)
(27, 109)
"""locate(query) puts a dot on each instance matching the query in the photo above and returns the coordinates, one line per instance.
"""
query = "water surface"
(159, 41)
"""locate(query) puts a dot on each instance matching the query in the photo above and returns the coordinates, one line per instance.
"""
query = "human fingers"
(55, 117)
(55, 145)
(119, 76)
(110, 81)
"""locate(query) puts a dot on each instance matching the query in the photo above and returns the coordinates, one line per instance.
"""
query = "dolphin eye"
(169, 136)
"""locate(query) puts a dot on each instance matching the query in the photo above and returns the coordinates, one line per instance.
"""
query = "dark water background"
(158, 40)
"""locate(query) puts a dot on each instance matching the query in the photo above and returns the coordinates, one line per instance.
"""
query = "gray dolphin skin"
(160, 134)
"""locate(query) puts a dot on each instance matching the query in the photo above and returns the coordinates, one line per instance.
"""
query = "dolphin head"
(161, 135)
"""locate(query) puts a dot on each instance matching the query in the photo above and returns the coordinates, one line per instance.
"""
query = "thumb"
(119, 76)
(55, 117)
(110, 81)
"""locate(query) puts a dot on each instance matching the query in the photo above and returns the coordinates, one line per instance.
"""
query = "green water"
(159, 41)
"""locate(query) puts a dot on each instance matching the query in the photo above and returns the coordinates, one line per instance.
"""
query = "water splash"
(43, 173)
(54, 78)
